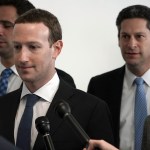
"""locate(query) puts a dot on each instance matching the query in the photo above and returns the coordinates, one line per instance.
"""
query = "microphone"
(43, 127)
(64, 111)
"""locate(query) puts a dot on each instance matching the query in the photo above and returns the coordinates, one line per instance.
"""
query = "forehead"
(134, 25)
(8, 13)
(30, 31)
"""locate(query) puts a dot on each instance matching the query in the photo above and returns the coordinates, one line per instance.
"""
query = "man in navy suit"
(37, 39)
(116, 87)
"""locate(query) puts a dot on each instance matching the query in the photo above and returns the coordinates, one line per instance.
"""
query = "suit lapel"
(63, 93)
(115, 95)
(116, 87)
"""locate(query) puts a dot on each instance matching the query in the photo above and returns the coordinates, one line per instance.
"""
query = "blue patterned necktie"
(140, 112)
(4, 80)
(24, 129)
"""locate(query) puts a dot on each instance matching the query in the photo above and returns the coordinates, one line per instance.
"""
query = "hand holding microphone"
(43, 127)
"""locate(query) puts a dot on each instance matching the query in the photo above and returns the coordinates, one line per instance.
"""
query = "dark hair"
(135, 11)
(21, 6)
(45, 17)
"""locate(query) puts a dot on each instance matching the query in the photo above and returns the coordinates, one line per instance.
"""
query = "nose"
(132, 43)
(22, 55)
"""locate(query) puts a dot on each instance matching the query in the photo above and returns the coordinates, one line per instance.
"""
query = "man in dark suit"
(10, 10)
(37, 39)
(117, 87)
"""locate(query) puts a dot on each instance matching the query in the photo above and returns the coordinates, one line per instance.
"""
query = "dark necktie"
(24, 129)
(4, 80)
(140, 112)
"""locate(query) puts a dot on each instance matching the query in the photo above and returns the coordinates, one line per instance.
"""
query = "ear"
(57, 46)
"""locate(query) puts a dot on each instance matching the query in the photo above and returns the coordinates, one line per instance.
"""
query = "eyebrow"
(134, 33)
(3, 22)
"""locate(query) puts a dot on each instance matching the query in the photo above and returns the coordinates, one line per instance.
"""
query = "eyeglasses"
(6, 24)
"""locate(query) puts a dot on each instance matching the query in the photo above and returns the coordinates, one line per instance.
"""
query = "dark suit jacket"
(91, 113)
(146, 135)
(108, 87)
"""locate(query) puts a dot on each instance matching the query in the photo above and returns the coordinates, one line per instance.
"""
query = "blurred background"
(89, 35)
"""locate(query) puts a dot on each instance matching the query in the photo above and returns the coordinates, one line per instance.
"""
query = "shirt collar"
(13, 68)
(130, 77)
(47, 91)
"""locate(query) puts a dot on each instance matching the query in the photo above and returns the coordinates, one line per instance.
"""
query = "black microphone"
(64, 111)
(43, 127)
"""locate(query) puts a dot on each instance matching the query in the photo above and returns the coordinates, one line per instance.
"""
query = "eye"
(7, 24)
(17, 47)
(33, 47)
(125, 36)
(140, 36)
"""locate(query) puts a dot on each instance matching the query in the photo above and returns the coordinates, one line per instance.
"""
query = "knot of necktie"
(31, 100)
(139, 81)
(6, 72)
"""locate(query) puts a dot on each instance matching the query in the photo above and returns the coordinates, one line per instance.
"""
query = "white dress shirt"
(127, 108)
(47, 93)
(14, 80)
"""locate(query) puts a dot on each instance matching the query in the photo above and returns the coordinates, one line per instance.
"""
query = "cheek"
(44, 59)
(123, 45)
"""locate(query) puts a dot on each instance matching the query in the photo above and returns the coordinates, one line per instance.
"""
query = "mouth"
(132, 52)
(24, 67)
(132, 55)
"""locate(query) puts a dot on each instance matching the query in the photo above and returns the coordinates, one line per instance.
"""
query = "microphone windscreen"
(42, 125)
(63, 108)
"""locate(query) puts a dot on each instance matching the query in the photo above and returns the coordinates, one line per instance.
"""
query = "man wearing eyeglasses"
(10, 10)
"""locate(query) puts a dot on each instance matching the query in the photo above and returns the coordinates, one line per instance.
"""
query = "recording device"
(64, 111)
(43, 127)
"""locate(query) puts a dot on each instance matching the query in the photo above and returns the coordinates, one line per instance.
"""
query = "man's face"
(34, 57)
(134, 41)
(8, 15)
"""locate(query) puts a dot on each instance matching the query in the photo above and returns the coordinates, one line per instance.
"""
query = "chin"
(27, 79)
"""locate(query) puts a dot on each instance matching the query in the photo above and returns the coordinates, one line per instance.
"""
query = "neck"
(138, 71)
